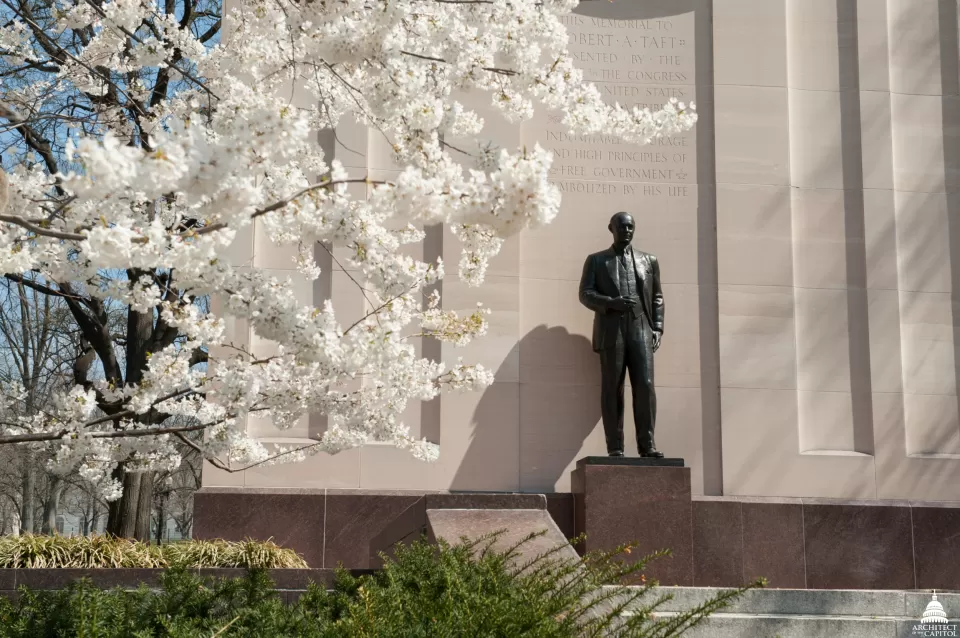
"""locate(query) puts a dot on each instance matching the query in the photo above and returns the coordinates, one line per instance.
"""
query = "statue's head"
(622, 227)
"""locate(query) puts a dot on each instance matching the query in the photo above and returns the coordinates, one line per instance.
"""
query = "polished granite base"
(645, 501)
(794, 543)
(635, 461)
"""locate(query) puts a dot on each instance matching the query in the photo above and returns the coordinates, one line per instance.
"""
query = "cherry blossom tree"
(143, 135)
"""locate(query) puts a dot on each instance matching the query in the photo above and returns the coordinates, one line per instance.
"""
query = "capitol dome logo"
(934, 612)
(934, 622)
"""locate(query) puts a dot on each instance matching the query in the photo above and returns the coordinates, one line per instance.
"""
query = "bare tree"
(37, 344)
(109, 341)
(83, 501)
(173, 496)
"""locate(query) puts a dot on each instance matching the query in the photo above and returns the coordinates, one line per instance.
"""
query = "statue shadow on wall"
(555, 416)
(636, 9)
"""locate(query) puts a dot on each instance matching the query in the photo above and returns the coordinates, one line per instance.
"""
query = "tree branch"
(209, 33)
(226, 468)
(199, 356)
(32, 139)
(40, 287)
(39, 230)
(111, 434)
(132, 36)
(190, 232)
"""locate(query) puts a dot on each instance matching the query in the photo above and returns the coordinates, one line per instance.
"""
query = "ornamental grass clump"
(101, 551)
(220, 553)
(38, 551)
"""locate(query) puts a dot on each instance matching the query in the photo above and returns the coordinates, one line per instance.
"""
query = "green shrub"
(184, 607)
(438, 591)
(36, 551)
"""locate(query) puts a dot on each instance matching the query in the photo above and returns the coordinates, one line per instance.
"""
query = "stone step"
(806, 613)
(773, 626)
(818, 602)
(452, 525)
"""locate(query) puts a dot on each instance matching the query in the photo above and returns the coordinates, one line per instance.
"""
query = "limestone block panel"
(928, 326)
(816, 153)
(825, 420)
(757, 337)
(824, 239)
(765, 461)
(915, 44)
(680, 357)
(552, 302)
(886, 370)
(812, 26)
(215, 477)
(823, 348)
(873, 44)
(474, 454)
(497, 350)
(920, 142)
(321, 470)
(748, 38)
(880, 237)
(752, 137)
(754, 235)
(926, 233)
(559, 424)
(930, 422)
(876, 137)
(904, 475)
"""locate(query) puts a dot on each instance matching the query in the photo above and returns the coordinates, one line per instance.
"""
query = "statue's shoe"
(652, 454)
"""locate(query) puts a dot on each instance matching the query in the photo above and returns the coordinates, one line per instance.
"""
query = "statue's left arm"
(657, 296)
(658, 309)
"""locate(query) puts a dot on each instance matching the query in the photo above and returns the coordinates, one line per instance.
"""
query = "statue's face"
(622, 228)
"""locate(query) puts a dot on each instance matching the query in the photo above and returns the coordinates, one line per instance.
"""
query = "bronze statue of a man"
(622, 286)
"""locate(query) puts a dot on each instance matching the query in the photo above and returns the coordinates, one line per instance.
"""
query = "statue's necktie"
(628, 281)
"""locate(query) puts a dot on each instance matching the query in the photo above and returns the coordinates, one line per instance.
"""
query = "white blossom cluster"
(227, 148)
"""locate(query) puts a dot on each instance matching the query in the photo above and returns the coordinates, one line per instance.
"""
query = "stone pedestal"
(647, 501)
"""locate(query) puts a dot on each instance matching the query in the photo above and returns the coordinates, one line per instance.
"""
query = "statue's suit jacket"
(600, 285)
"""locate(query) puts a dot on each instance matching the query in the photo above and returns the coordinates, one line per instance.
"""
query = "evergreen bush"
(440, 591)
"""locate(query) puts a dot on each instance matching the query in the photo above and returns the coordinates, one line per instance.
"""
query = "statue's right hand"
(623, 304)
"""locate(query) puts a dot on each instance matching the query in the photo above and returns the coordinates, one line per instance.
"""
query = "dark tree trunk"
(161, 515)
(29, 503)
(52, 505)
(144, 507)
(94, 517)
(122, 517)
(129, 516)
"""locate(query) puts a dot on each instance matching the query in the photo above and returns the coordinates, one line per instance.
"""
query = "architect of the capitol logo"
(934, 622)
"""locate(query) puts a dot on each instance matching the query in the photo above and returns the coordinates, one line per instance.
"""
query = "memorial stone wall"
(808, 231)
